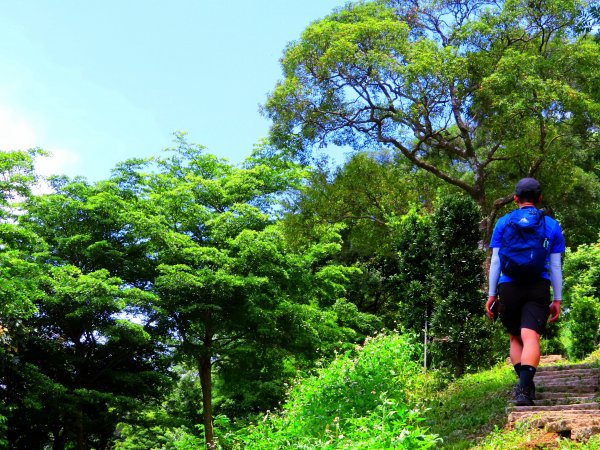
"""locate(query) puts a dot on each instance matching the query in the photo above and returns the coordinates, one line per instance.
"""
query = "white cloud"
(58, 162)
(16, 133)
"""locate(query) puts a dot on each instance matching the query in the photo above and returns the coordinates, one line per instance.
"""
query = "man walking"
(526, 260)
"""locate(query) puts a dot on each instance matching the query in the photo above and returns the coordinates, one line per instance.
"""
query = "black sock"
(526, 375)
(517, 367)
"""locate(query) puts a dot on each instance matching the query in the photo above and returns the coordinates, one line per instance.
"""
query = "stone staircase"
(565, 401)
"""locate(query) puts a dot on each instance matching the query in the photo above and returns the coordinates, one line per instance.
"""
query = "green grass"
(471, 407)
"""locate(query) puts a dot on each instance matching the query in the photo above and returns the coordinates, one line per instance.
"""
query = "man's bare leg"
(516, 349)
(530, 351)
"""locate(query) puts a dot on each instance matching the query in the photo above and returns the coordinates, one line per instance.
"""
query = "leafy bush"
(584, 321)
(552, 342)
(3, 441)
(581, 294)
(582, 267)
(362, 400)
(412, 234)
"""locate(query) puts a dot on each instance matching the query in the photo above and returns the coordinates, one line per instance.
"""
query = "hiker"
(526, 259)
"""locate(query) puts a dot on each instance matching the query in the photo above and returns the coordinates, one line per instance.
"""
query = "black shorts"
(524, 305)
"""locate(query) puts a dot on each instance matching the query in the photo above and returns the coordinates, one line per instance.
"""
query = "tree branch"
(371, 218)
(424, 165)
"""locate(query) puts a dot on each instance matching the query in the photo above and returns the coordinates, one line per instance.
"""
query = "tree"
(368, 196)
(80, 369)
(478, 94)
(416, 261)
(227, 285)
(17, 176)
(19, 270)
(364, 194)
(456, 280)
(79, 351)
(18, 247)
(88, 226)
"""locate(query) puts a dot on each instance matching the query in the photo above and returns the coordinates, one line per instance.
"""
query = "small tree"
(415, 261)
(457, 277)
(80, 368)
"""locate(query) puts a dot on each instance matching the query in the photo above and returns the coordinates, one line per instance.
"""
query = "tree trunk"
(80, 443)
(59, 439)
(460, 362)
(204, 367)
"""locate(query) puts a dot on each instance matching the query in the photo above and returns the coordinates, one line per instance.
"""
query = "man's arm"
(494, 275)
(556, 282)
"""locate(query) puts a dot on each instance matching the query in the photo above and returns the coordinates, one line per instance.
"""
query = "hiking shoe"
(523, 396)
(532, 390)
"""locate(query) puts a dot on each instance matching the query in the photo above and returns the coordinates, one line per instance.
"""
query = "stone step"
(583, 434)
(567, 373)
(564, 398)
(568, 384)
(557, 426)
(586, 406)
(558, 395)
(520, 416)
(563, 379)
(562, 401)
(566, 367)
(567, 387)
(551, 359)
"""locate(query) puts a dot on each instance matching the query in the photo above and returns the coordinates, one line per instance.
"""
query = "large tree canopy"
(477, 93)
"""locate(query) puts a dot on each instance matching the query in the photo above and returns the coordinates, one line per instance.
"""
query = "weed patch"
(471, 407)
(365, 400)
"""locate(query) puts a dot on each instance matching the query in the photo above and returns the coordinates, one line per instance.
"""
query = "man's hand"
(488, 306)
(554, 311)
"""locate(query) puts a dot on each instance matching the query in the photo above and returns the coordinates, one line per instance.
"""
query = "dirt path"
(565, 401)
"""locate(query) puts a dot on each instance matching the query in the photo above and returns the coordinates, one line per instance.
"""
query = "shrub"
(363, 400)
(584, 319)
(581, 294)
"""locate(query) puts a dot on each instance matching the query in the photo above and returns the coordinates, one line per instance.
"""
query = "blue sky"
(98, 82)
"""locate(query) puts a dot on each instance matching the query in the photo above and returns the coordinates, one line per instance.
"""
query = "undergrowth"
(377, 397)
(469, 408)
(363, 400)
